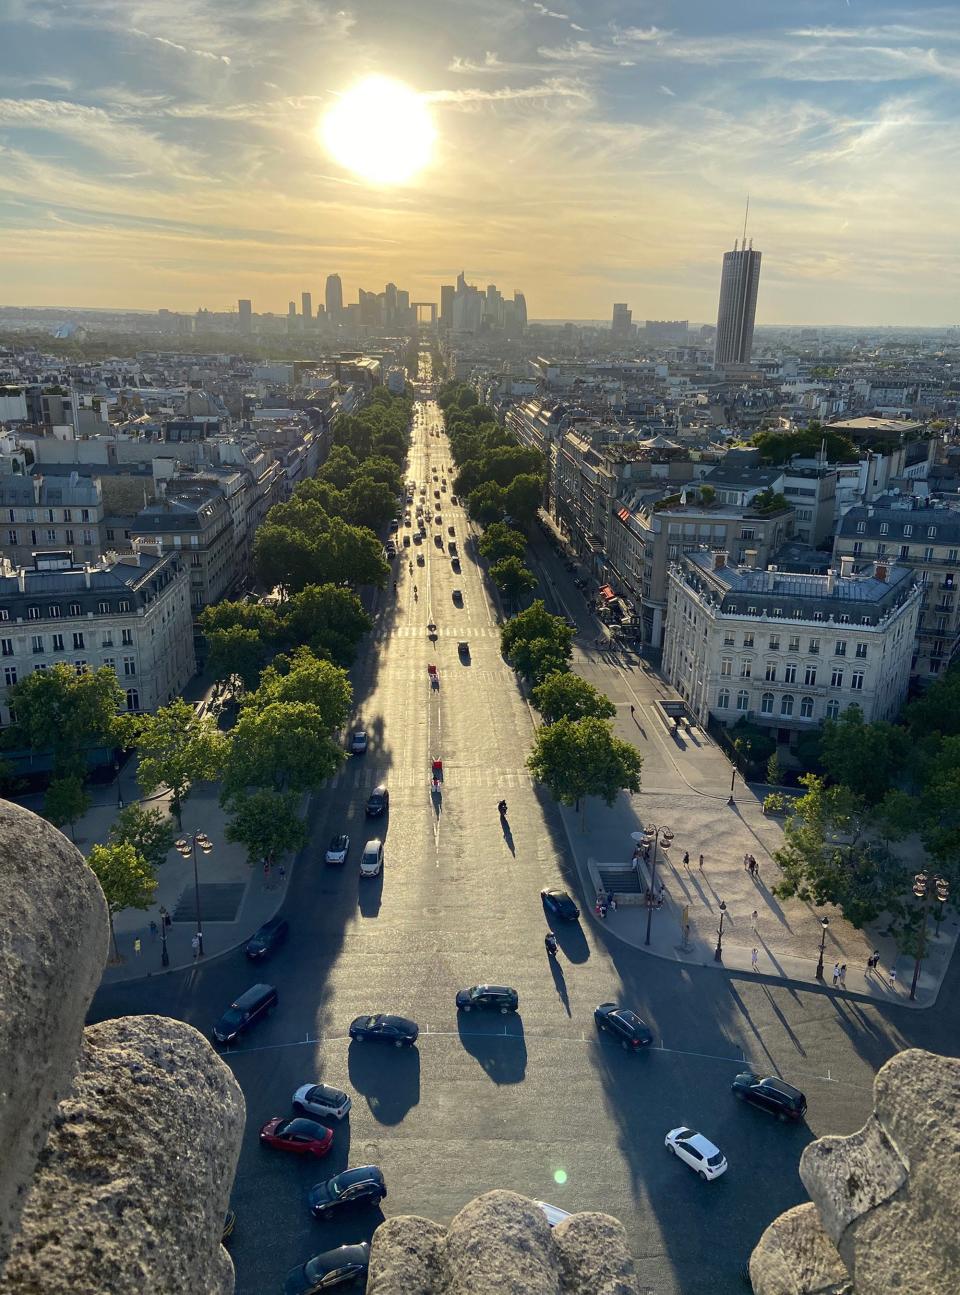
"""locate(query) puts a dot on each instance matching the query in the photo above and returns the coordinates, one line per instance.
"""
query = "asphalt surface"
(537, 1102)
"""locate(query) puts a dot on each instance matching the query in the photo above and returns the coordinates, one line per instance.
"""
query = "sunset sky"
(166, 153)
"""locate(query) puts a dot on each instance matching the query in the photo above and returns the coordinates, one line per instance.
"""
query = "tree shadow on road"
(499, 1047)
(389, 1078)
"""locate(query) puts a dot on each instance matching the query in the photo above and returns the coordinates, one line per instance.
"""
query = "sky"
(164, 153)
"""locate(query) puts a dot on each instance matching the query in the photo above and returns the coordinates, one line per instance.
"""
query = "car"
(383, 1027)
(438, 519)
(451, 530)
(371, 861)
(553, 1213)
(463, 649)
(268, 939)
(333, 1270)
(452, 548)
(406, 541)
(458, 597)
(623, 1025)
(696, 1151)
(322, 1101)
(770, 1094)
(363, 1186)
(436, 493)
(438, 540)
(394, 523)
(419, 555)
(455, 565)
(453, 499)
(338, 849)
(559, 904)
(570, 623)
(378, 801)
(358, 742)
(500, 997)
(258, 1002)
(301, 1137)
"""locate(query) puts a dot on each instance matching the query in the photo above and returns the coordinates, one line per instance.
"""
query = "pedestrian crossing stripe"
(454, 777)
(463, 632)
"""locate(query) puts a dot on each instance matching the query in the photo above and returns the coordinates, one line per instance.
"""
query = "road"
(535, 1103)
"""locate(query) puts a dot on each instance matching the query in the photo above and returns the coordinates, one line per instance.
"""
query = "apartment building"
(196, 521)
(788, 651)
(923, 534)
(130, 612)
(40, 512)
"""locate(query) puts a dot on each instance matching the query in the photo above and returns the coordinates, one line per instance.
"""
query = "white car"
(358, 743)
(338, 849)
(697, 1151)
(554, 1214)
(321, 1100)
(371, 861)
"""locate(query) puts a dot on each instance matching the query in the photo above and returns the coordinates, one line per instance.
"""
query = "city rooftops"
(868, 428)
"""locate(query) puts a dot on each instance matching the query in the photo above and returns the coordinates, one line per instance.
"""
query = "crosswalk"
(455, 777)
(466, 632)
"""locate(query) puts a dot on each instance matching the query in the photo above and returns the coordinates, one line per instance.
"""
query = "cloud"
(550, 13)
(489, 63)
(553, 88)
(95, 129)
(665, 89)
(183, 49)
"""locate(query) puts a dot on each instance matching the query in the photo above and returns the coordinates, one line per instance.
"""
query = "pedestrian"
(195, 946)
(282, 873)
(893, 975)
(701, 863)
(609, 898)
(686, 858)
(636, 854)
(603, 910)
(836, 973)
(746, 863)
(843, 975)
(753, 960)
(646, 854)
(869, 965)
(154, 929)
(633, 710)
(876, 959)
(753, 919)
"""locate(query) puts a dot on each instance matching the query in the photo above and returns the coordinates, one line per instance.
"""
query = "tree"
(535, 643)
(268, 824)
(283, 746)
(66, 801)
(67, 714)
(864, 757)
(258, 616)
(512, 578)
(579, 758)
(236, 656)
(283, 556)
(563, 695)
(303, 677)
(178, 748)
(501, 541)
(125, 879)
(523, 497)
(149, 831)
(328, 619)
(339, 469)
(349, 555)
(486, 503)
(774, 769)
(368, 502)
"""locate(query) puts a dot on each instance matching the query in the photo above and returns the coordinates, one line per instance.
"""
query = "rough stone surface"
(886, 1200)
(119, 1142)
(53, 944)
(500, 1244)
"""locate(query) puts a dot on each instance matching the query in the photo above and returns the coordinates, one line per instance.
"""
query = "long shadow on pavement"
(389, 1078)
(500, 1048)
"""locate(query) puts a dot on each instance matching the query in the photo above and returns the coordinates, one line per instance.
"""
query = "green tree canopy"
(564, 695)
(268, 823)
(486, 504)
(65, 801)
(149, 831)
(282, 746)
(125, 879)
(236, 656)
(339, 469)
(303, 677)
(512, 578)
(781, 446)
(523, 497)
(535, 643)
(864, 757)
(66, 713)
(328, 619)
(579, 758)
(501, 541)
(261, 617)
(369, 502)
(178, 748)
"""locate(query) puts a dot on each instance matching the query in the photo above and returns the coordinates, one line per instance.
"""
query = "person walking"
(701, 863)
(746, 863)
(836, 973)
(753, 918)
(869, 966)
(753, 960)
(876, 959)
(893, 975)
(843, 975)
(195, 946)
(154, 930)
(686, 858)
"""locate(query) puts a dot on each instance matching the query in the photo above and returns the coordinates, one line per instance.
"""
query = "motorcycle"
(550, 943)
(502, 808)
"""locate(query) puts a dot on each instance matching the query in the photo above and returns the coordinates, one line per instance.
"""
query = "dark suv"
(353, 1187)
(773, 1095)
(500, 997)
(270, 936)
(378, 802)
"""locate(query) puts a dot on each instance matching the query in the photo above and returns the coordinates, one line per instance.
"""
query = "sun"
(381, 130)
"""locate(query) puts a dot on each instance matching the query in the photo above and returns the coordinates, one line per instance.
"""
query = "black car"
(455, 565)
(382, 1028)
(378, 802)
(623, 1025)
(364, 1186)
(500, 997)
(333, 1270)
(773, 1095)
(269, 938)
(559, 904)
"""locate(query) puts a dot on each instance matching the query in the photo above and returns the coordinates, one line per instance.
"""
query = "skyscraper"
(621, 325)
(245, 311)
(334, 297)
(738, 305)
(306, 302)
(447, 293)
(520, 301)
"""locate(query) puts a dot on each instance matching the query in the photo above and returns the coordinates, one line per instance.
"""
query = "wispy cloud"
(183, 49)
(553, 88)
(95, 129)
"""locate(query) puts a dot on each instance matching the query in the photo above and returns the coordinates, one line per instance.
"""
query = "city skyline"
(191, 172)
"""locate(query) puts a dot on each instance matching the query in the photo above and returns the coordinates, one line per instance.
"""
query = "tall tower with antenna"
(739, 284)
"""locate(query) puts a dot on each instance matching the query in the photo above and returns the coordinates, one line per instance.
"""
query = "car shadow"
(571, 939)
(560, 981)
(388, 1077)
(370, 893)
(497, 1044)
(352, 1223)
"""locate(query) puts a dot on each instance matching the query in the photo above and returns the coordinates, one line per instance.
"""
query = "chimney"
(86, 574)
(719, 560)
(831, 580)
(846, 566)
(880, 572)
(22, 579)
(751, 556)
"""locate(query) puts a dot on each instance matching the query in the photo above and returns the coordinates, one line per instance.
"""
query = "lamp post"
(187, 845)
(718, 951)
(116, 774)
(738, 745)
(926, 886)
(824, 923)
(164, 955)
(655, 835)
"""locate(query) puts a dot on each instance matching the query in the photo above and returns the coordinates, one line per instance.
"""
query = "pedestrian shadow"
(560, 981)
(784, 1022)
(508, 836)
(744, 1012)
(771, 955)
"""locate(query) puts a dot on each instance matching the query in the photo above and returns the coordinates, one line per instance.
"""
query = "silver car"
(322, 1101)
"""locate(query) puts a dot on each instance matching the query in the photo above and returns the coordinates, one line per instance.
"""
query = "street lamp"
(824, 923)
(926, 886)
(718, 951)
(164, 955)
(116, 774)
(654, 835)
(187, 845)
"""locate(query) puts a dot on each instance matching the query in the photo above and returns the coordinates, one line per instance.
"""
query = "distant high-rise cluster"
(621, 325)
(738, 305)
(464, 308)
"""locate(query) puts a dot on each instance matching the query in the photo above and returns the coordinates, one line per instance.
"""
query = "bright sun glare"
(381, 130)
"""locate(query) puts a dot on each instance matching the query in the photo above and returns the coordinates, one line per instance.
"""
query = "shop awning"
(607, 593)
(624, 514)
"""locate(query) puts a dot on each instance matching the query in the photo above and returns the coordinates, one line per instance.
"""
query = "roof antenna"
(745, 217)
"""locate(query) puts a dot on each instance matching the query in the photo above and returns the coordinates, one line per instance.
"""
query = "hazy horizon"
(584, 154)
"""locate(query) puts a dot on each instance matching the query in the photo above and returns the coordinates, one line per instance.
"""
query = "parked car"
(454, 499)
(406, 541)
(384, 1028)
(452, 549)
(371, 861)
(299, 1136)
(251, 1007)
(623, 1025)
(267, 940)
(458, 597)
(338, 849)
(322, 1101)
(554, 1214)
(451, 530)
(358, 742)
(463, 650)
(378, 801)
(697, 1151)
(559, 904)
(770, 1094)
(363, 1186)
(333, 1270)
(395, 523)
(455, 565)
(500, 997)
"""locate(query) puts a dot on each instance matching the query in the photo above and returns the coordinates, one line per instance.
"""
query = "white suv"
(371, 861)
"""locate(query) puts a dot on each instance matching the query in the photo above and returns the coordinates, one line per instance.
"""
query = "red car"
(302, 1137)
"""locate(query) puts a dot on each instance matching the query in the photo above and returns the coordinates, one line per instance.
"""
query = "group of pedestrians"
(751, 865)
(840, 975)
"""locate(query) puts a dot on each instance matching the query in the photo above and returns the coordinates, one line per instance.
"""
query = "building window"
(84, 514)
(12, 537)
(126, 638)
(790, 672)
(7, 646)
(840, 647)
(723, 699)
(810, 675)
(129, 666)
(110, 662)
(794, 644)
(726, 667)
(75, 609)
(814, 647)
(881, 550)
(36, 643)
(771, 672)
(103, 609)
(861, 528)
(53, 612)
(743, 699)
(836, 678)
(728, 639)
(766, 704)
(786, 704)
(78, 641)
(33, 613)
(745, 669)
(107, 640)
(123, 605)
(928, 554)
(856, 680)
(857, 548)
(51, 537)
(774, 642)
(904, 552)
(833, 709)
(68, 534)
(907, 531)
(806, 708)
(109, 533)
(748, 640)
(884, 528)
(58, 642)
(862, 651)
(10, 675)
(931, 532)
(133, 699)
(80, 667)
